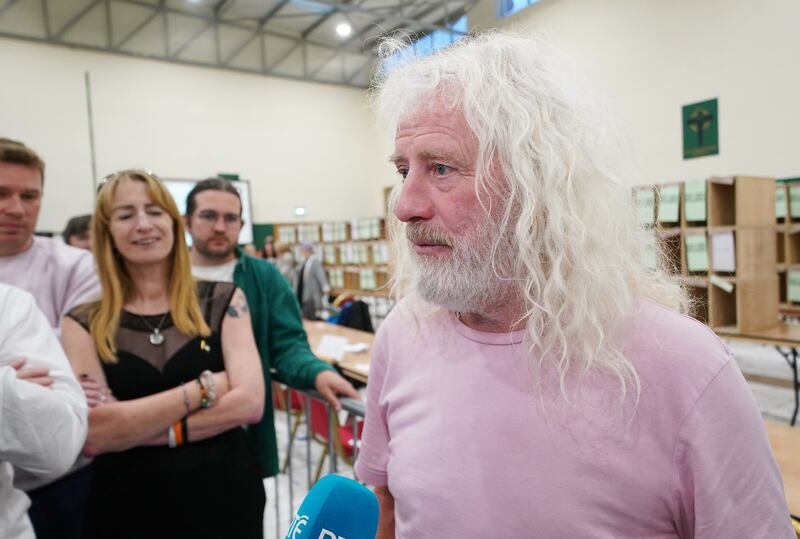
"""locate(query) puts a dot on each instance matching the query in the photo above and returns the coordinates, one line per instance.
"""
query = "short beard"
(202, 248)
(468, 281)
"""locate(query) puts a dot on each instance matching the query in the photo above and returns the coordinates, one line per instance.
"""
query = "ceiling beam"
(70, 23)
(136, 30)
(6, 5)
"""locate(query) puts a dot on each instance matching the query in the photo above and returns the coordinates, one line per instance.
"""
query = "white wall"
(650, 57)
(298, 143)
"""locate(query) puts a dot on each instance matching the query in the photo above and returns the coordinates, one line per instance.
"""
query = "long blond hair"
(117, 286)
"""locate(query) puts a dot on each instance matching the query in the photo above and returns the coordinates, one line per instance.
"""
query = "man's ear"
(187, 222)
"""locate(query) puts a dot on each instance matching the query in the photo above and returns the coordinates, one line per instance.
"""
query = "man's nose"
(13, 206)
(414, 201)
(219, 224)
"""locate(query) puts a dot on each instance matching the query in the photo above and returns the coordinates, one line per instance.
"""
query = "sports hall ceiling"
(296, 39)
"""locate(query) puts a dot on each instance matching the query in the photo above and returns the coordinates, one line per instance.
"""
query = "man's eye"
(441, 170)
(403, 171)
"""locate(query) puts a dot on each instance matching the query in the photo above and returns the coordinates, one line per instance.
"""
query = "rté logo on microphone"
(296, 530)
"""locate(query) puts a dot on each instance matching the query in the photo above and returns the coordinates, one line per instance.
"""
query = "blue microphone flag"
(336, 508)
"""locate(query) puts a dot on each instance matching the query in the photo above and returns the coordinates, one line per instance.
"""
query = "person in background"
(250, 250)
(171, 373)
(534, 378)
(43, 414)
(311, 284)
(284, 261)
(214, 220)
(59, 277)
(268, 250)
(78, 232)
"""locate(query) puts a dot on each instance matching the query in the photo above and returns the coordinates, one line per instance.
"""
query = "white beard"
(466, 281)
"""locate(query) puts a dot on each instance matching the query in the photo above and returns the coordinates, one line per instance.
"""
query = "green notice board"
(793, 288)
(668, 202)
(696, 252)
(700, 129)
(694, 194)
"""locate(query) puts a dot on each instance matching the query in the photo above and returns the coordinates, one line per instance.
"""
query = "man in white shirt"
(60, 278)
(43, 417)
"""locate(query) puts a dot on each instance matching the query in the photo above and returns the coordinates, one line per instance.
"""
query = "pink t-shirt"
(59, 276)
(469, 448)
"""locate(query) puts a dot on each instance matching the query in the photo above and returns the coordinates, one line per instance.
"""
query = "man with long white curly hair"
(534, 380)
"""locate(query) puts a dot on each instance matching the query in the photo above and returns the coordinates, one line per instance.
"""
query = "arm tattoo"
(238, 305)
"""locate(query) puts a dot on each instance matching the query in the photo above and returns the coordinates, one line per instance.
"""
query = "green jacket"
(282, 345)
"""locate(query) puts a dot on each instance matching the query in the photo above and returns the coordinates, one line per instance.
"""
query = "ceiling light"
(344, 29)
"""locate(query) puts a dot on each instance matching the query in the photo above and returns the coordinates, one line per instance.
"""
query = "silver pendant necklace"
(156, 338)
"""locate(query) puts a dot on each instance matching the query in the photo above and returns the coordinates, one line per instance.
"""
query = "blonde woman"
(171, 373)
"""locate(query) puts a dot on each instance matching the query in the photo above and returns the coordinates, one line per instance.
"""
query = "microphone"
(336, 508)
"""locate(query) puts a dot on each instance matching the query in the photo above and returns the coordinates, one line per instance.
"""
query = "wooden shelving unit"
(355, 255)
(787, 244)
(720, 239)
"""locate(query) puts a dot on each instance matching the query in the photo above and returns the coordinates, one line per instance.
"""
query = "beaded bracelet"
(203, 393)
(208, 389)
(212, 388)
(186, 402)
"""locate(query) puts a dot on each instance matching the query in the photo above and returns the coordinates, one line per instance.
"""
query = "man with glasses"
(214, 220)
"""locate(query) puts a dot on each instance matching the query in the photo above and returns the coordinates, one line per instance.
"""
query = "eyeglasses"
(210, 218)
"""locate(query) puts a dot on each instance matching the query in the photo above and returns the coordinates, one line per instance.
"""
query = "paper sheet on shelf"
(668, 202)
(650, 252)
(694, 194)
(696, 252)
(794, 201)
(793, 286)
(332, 346)
(646, 201)
(780, 202)
(723, 252)
(722, 283)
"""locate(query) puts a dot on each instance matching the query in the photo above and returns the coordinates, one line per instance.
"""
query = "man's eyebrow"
(436, 155)
(433, 155)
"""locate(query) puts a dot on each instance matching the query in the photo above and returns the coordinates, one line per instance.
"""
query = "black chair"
(356, 315)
